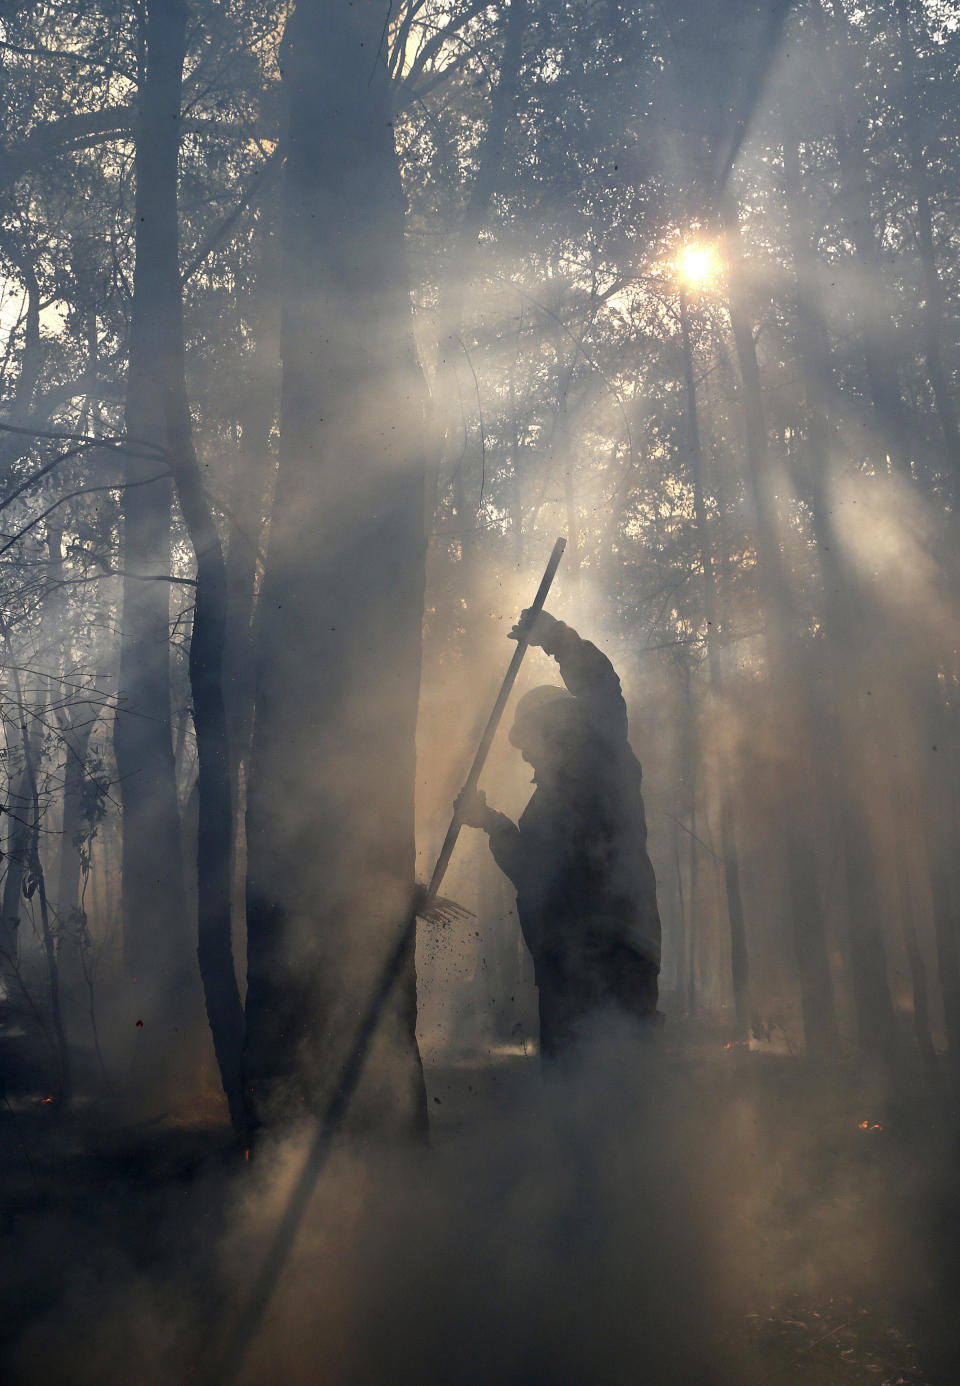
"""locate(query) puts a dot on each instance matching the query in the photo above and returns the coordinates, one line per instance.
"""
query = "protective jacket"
(586, 890)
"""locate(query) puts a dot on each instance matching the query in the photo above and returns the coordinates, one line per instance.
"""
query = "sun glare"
(698, 266)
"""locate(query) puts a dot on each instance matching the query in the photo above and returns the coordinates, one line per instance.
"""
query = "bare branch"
(65, 55)
(233, 216)
(142, 447)
(71, 495)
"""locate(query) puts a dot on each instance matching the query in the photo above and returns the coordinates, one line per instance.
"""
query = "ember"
(870, 1126)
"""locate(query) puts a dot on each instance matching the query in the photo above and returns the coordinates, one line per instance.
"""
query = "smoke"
(703, 1214)
(564, 1237)
(633, 1218)
(658, 1215)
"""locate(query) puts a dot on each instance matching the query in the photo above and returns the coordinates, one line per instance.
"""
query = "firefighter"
(586, 891)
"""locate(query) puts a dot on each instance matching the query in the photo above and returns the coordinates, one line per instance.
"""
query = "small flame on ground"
(246, 1154)
(45, 1100)
(870, 1126)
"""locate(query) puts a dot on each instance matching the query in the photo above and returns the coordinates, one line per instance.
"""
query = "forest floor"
(751, 1222)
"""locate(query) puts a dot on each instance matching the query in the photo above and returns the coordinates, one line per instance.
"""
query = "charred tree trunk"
(155, 927)
(157, 295)
(330, 804)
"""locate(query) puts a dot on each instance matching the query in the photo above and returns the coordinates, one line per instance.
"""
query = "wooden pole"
(490, 730)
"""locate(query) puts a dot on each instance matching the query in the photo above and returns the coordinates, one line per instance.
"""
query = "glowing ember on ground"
(870, 1126)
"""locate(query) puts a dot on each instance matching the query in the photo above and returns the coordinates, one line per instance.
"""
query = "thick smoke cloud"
(642, 1217)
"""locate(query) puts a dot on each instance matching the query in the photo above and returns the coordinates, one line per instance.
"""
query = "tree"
(156, 923)
(159, 314)
(330, 808)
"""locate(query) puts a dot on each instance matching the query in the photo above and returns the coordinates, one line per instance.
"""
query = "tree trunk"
(875, 325)
(918, 970)
(157, 281)
(17, 851)
(25, 873)
(75, 720)
(805, 905)
(37, 884)
(490, 165)
(934, 298)
(691, 757)
(940, 815)
(330, 829)
(250, 502)
(448, 392)
(71, 940)
(155, 926)
(852, 668)
(739, 957)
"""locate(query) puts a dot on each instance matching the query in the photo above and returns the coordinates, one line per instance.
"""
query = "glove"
(470, 806)
(535, 628)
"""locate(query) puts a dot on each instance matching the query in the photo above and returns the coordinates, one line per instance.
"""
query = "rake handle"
(490, 730)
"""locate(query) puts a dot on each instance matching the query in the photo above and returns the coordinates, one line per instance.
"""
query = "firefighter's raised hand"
(535, 628)
(470, 806)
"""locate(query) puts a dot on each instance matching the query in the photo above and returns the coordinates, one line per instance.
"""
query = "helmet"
(543, 715)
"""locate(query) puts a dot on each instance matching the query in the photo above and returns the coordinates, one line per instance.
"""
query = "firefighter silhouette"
(586, 890)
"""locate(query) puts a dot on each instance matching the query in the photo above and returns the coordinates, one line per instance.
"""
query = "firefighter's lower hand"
(470, 807)
(535, 627)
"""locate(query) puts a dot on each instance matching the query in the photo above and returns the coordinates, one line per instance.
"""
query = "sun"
(698, 266)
